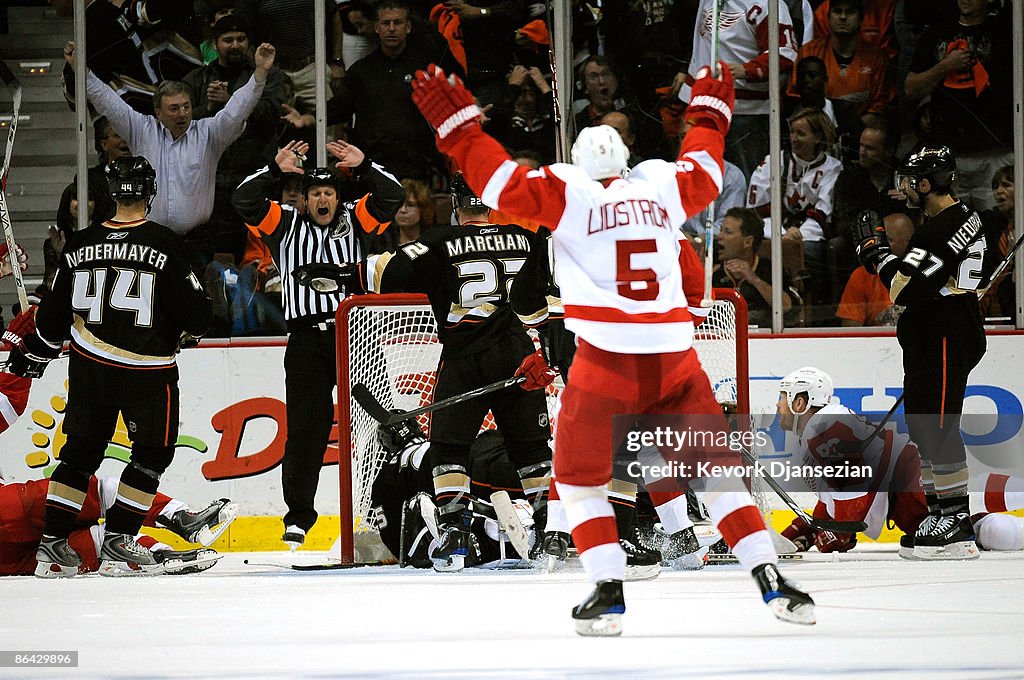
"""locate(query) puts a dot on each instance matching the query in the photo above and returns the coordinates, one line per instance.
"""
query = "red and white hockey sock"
(557, 520)
(734, 513)
(671, 505)
(592, 521)
(1002, 492)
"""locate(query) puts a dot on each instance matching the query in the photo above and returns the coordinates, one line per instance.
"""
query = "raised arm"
(229, 122)
(128, 122)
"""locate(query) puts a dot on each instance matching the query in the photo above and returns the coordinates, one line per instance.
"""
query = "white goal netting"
(389, 343)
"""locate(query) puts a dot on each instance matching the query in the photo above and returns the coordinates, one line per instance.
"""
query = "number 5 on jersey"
(627, 276)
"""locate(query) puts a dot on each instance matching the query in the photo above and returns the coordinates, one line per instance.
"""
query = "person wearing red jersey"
(631, 287)
(829, 433)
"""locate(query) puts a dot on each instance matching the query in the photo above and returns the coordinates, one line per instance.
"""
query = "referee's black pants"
(310, 369)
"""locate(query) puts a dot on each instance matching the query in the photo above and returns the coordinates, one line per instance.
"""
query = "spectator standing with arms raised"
(185, 151)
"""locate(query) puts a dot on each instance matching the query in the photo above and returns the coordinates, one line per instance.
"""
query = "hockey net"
(389, 343)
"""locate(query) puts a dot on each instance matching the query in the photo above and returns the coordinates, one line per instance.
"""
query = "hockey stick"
(510, 523)
(557, 109)
(5, 216)
(848, 448)
(814, 522)
(1002, 266)
(361, 393)
(709, 224)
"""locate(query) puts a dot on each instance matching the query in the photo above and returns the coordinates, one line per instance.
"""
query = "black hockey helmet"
(463, 196)
(393, 438)
(936, 164)
(131, 177)
(318, 177)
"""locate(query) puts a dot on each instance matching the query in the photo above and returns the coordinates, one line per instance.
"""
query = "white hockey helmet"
(600, 151)
(814, 382)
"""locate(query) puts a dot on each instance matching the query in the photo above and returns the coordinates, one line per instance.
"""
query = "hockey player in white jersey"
(830, 434)
(631, 287)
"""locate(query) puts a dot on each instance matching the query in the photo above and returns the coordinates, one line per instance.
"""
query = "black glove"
(329, 278)
(872, 242)
(187, 341)
(30, 357)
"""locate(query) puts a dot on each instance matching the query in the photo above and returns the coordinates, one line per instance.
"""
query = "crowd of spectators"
(864, 83)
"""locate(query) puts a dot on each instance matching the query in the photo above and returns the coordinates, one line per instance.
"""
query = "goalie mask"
(807, 380)
(936, 164)
(131, 178)
(394, 438)
(601, 153)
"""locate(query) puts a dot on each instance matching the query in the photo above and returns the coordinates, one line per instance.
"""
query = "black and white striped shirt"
(295, 240)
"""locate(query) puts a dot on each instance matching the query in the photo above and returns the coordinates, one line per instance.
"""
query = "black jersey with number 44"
(940, 275)
(126, 293)
(466, 272)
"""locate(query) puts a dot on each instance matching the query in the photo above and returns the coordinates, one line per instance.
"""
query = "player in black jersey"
(466, 272)
(941, 334)
(127, 296)
(403, 505)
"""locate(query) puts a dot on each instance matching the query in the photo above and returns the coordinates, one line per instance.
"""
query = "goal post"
(389, 343)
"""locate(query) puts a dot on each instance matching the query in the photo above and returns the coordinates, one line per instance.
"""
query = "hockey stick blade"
(510, 523)
(361, 393)
(333, 566)
(816, 523)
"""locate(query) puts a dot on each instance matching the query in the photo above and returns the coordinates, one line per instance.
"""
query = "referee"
(326, 231)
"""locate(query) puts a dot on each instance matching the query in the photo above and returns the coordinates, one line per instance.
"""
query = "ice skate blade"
(184, 567)
(54, 570)
(606, 625)
(112, 568)
(551, 564)
(907, 553)
(207, 535)
(963, 550)
(642, 573)
(802, 614)
(454, 563)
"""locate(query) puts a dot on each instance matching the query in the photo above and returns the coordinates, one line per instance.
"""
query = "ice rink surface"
(878, 617)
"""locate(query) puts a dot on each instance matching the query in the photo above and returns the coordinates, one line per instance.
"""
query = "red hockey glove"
(20, 327)
(5, 263)
(801, 533)
(712, 98)
(15, 390)
(538, 374)
(446, 104)
(827, 542)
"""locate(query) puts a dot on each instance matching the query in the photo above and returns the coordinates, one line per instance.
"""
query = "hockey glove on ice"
(827, 542)
(329, 278)
(446, 104)
(873, 247)
(801, 534)
(538, 374)
(712, 99)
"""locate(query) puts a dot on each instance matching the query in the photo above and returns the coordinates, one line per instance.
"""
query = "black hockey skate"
(294, 536)
(948, 537)
(186, 561)
(907, 547)
(642, 564)
(553, 552)
(122, 555)
(454, 550)
(683, 552)
(601, 613)
(205, 526)
(56, 559)
(786, 601)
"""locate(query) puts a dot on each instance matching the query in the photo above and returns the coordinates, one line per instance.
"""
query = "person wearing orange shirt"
(865, 299)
